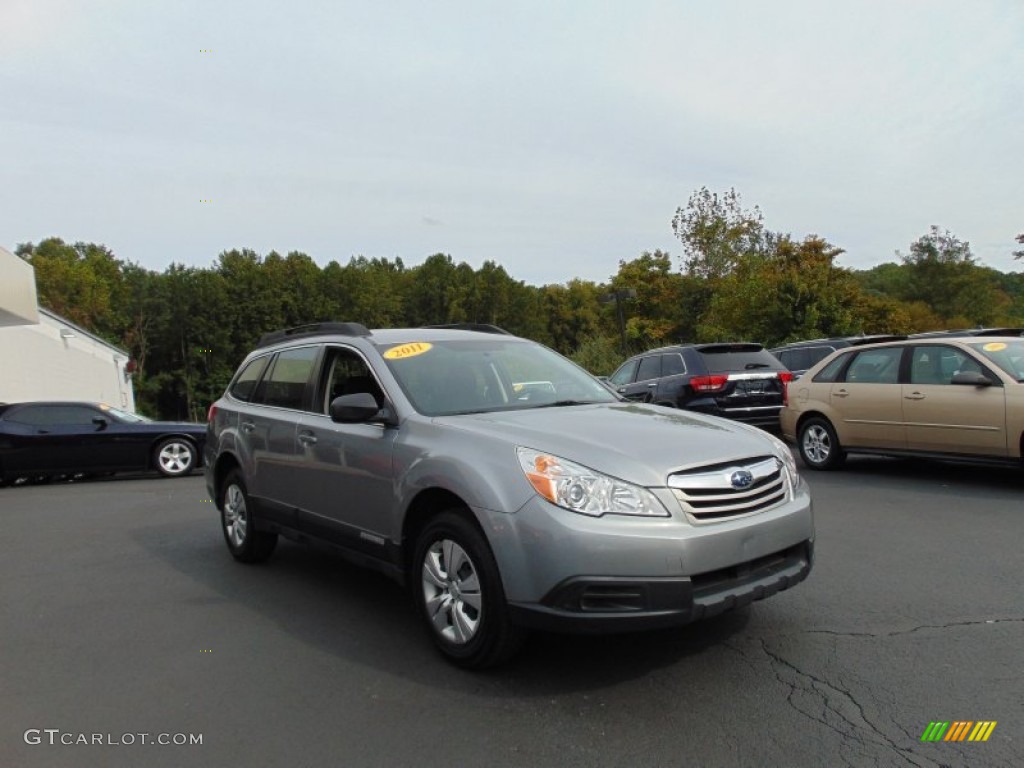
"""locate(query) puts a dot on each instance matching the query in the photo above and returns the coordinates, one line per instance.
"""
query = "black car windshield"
(123, 416)
(443, 378)
(1007, 354)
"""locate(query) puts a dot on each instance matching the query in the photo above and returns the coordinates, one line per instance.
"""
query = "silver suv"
(506, 486)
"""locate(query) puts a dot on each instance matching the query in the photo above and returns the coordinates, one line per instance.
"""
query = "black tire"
(462, 602)
(819, 447)
(245, 543)
(175, 457)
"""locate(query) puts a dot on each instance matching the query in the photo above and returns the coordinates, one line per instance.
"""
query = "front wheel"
(175, 457)
(819, 446)
(458, 591)
(245, 543)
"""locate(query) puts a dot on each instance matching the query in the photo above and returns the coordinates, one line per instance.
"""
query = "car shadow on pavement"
(361, 616)
(991, 476)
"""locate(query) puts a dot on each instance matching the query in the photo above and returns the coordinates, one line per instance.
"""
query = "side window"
(285, 385)
(875, 366)
(831, 371)
(346, 373)
(672, 365)
(75, 415)
(33, 416)
(650, 368)
(938, 364)
(245, 384)
(625, 373)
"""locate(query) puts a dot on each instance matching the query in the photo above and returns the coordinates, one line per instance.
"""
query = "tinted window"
(54, 415)
(245, 384)
(625, 373)
(875, 366)
(672, 365)
(650, 368)
(737, 358)
(285, 385)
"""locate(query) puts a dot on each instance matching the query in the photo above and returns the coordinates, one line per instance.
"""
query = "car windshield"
(443, 378)
(123, 416)
(1008, 355)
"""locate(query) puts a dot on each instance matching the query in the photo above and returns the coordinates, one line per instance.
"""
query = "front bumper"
(566, 571)
(594, 604)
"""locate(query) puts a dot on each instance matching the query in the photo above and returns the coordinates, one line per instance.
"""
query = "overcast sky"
(553, 138)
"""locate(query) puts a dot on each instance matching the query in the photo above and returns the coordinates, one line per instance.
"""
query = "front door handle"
(914, 396)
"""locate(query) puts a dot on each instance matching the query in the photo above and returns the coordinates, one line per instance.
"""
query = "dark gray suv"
(505, 485)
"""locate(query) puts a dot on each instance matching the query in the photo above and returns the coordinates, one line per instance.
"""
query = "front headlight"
(786, 457)
(583, 490)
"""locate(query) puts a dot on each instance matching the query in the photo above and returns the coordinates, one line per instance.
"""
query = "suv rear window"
(737, 357)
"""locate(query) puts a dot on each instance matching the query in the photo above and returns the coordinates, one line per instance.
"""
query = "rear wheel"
(458, 591)
(245, 543)
(819, 446)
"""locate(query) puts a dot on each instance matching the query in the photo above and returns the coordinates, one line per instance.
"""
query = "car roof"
(331, 331)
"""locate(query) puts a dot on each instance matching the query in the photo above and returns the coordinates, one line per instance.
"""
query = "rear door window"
(875, 366)
(285, 385)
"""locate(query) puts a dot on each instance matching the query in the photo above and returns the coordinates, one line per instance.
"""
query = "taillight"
(785, 377)
(708, 383)
(210, 414)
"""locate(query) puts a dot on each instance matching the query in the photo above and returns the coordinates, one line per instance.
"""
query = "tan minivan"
(948, 397)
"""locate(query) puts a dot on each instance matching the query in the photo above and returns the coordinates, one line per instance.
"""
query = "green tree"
(717, 233)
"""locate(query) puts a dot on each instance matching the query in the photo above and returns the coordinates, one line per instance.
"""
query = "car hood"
(638, 443)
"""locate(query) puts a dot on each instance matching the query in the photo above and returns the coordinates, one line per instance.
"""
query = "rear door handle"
(841, 393)
(914, 396)
(247, 426)
(307, 438)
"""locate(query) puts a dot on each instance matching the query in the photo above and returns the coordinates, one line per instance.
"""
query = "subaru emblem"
(741, 478)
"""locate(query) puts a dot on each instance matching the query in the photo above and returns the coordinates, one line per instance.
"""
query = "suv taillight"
(708, 383)
(785, 377)
(210, 414)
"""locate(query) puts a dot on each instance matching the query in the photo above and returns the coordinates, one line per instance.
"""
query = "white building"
(45, 357)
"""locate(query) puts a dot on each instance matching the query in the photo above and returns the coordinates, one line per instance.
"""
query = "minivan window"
(875, 366)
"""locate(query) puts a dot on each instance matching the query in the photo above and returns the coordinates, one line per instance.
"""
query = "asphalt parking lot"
(122, 614)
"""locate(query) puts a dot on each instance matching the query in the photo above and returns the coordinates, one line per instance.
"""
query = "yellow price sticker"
(403, 351)
(994, 346)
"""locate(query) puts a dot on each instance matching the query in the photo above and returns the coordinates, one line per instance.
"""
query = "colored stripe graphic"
(958, 730)
(982, 731)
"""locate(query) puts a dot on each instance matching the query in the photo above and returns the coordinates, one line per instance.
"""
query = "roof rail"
(478, 327)
(312, 329)
(876, 338)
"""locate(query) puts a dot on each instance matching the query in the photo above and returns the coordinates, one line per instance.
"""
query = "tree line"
(187, 328)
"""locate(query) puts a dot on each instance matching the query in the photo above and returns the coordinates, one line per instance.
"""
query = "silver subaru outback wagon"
(506, 486)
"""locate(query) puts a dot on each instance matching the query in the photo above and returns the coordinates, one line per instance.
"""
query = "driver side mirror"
(359, 408)
(100, 423)
(972, 378)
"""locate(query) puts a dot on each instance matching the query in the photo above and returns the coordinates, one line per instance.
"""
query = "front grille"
(708, 494)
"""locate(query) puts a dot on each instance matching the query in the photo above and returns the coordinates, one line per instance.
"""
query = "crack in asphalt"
(897, 633)
(833, 697)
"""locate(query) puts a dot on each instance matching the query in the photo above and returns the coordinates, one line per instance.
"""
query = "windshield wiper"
(560, 403)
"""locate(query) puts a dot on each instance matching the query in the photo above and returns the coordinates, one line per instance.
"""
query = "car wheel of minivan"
(245, 543)
(819, 446)
(175, 457)
(458, 592)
